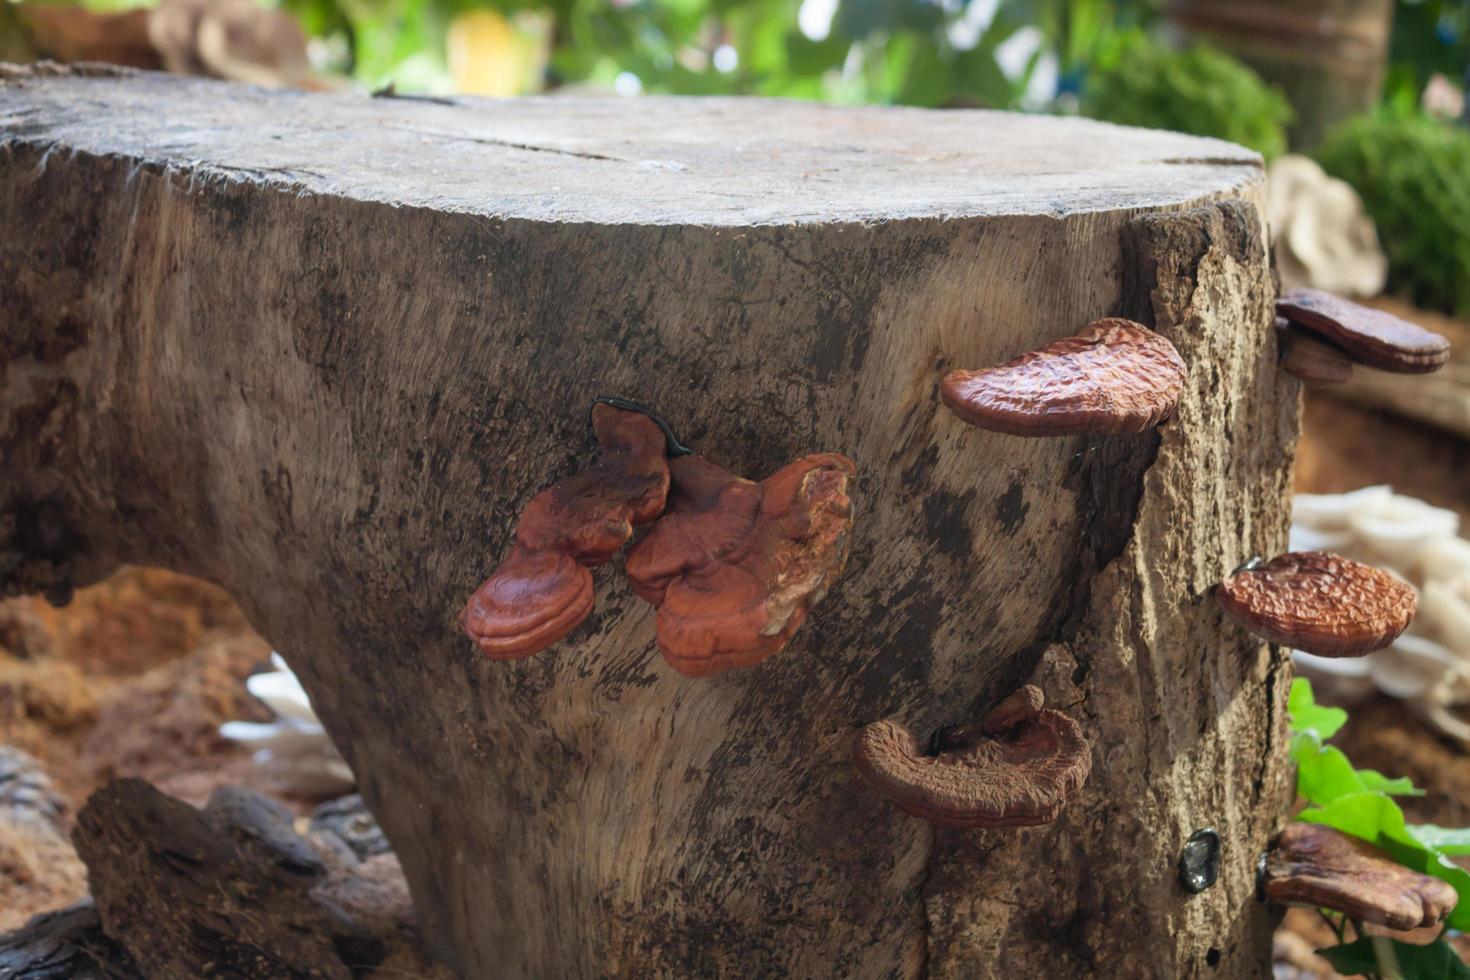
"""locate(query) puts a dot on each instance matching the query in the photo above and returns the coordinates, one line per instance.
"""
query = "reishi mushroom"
(1370, 337)
(1309, 358)
(1113, 378)
(1319, 602)
(543, 588)
(1321, 867)
(1017, 768)
(734, 565)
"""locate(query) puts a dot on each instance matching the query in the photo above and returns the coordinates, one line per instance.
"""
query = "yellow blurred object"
(490, 55)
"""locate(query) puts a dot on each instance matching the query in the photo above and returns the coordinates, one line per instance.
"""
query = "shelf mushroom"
(1321, 867)
(1309, 358)
(1017, 768)
(543, 589)
(735, 565)
(1367, 336)
(1113, 378)
(1318, 602)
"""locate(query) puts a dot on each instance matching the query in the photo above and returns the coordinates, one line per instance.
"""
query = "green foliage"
(1360, 802)
(1141, 81)
(1414, 176)
(1381, 956)
(1429, 37)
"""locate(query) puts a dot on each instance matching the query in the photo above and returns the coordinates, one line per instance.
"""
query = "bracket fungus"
(1319, 602)
(1370, 337)
(735, 565)
(1113, 378)
(1309, 358)
(1017, 768)
(543, 588)
(1322, 867)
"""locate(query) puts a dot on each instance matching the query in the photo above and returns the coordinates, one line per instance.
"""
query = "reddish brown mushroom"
(734, 565)
(543, 588)
(1114, 377)
(1321, 867)
(1309, 358)
(1017, 768)
(1319, 602)
(1370, 337)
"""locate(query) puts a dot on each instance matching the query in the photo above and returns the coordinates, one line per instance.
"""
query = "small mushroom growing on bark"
(1368, 336)
(735, 565)
(1321, 867)
(1113, 378)
(1319, 602)
(1310, 359)
(543, 588)
(1018, 767)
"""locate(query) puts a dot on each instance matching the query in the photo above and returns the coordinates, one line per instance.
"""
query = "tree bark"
(320, 350)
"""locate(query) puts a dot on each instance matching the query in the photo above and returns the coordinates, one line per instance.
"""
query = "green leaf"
(1323, 773)
(1307, 716)
(1377, 819)
(1392, 958)
(1372, 779)
(1446, 840)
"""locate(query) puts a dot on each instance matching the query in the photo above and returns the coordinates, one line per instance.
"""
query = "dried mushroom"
(1017, 768)
(1115, 377)
(1319, 602)
(1370, 337)
(1321, 867)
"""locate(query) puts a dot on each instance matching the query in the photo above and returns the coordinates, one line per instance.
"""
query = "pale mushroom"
(1320, 234)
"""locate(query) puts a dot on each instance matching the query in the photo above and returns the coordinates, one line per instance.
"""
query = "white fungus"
(295, 747)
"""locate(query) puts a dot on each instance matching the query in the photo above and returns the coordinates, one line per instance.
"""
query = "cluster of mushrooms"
(734, 565)
(731, 564)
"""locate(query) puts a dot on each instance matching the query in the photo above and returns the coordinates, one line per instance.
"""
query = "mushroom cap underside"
(1322, 867)
(1371, 337)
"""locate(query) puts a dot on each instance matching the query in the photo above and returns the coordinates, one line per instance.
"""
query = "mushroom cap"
(1322, 867)
(1021, 776)
(1311, 359)
(1319, 602)
(543, 589)
(534, 599)
(1114, 377)
(1371, 337)
(734, 566)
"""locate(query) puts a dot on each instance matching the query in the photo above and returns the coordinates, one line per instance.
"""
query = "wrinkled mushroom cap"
(1322, 867)
(1020, 776)
(1114, 377)
(1371, 337)
(1319, 602)
(734, 566)
(543, 590)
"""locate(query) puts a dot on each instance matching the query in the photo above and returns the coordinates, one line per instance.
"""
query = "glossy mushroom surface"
(1321, 867)
(1017, 768)
(735, 565)
(1319, 602)
(1309, 358)
(543, 589)
(1113, 378)
(1370, 337)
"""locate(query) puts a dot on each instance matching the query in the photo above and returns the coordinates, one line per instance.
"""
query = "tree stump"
(321, 349)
